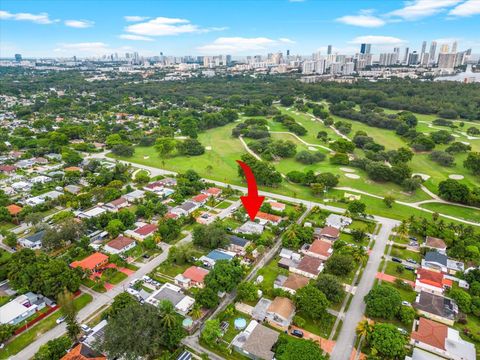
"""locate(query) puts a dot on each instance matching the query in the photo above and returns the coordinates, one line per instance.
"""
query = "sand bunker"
(347, 170)
(424, 177)
(313, 148)
(146, 157)
(352, 176)
(208, 148)
(456, 177)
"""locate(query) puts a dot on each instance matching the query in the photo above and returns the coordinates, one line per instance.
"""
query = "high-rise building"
(413, 58)
(433, 49)
(454, 47)
(405, 58)
(446, 60)
(329, 50)
(335, 68)
(365, 48)
(348, 68)
(424, 47)
(444, 48)
(387, 59)
(18, 57)
(308, 67)
(288, 53)
(320, 66)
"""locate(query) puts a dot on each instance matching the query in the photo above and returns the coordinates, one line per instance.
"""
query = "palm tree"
(196, 312)
(360, 254)
(402, 230)
(364, 328)
(168, 315)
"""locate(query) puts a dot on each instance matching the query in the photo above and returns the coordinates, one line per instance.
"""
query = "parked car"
(60, 319)
(409, 268)
(397, 260)
(413, 238)
(297, 333)
(406, 303)
(402, 331)
(411, 261)
(85, 328)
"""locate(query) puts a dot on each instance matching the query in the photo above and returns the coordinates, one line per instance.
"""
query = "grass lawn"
(114, 278)
(223, 205)
(28, 336)
(405, 254)
(362, 225)
(349, 239)
(270, 273)
(322, 328)
(171, 269)
(391, 269)
(457, 211)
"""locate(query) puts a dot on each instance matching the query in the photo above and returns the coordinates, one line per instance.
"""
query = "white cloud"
(468, 8)
(235, 45)
(134, 18)
(41, 18)
(418, 9)
(163, 26)
(377, 40)
(135, 37)
(79, 24)
(361, 20)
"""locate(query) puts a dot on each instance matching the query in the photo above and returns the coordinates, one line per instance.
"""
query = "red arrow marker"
(252, 202)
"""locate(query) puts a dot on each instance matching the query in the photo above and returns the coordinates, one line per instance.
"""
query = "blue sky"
(90, 28)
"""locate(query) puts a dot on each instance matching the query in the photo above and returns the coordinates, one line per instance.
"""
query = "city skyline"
(207, 28)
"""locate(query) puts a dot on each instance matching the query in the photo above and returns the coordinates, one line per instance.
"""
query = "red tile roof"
(91, 262)
(213, 191)
(269, 217)
(277, 205)
(432, 278)
(8, 168)
(82, 352)
(310, 265)
(146, 229)
(195, 273)
(321, 247)
(73, 168)
(120, 242)
(330, 231)
(14, 209)
(436, 243)
(200, 198)
(118, 201)
(431, 333)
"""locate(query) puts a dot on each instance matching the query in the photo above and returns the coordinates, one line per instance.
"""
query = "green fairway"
(457, 211)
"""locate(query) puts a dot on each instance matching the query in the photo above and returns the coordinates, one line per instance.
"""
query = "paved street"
(344, 346)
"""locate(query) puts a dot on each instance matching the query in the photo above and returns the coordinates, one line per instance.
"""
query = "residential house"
(213, 191)
(192, 277)
(73, 168)
(265, 218)
(96, 335)
(237, 244)
(436, 307)
(205, 218)
(7, 169)
(435, 244)
(91, 213)
(419, 354)
(328, 232)
(276, 206)
(182, 303)
(308, 266)
(200, 199)
(251, 228)
(185, 209)
(17, 310)
(73, 189)
(256, 341)
(83, 352)
(440, 262)
(281, 311)
(21, 186)
(337, 221)
(142, 231)
(134, 196)
(40, 199)
(432, 282)
(33, 241)
(119, 245)
(116, 204)
(40, 179)
(442, 340)
(93, 262)
(290, 283)
(321, 249)
(213, 256)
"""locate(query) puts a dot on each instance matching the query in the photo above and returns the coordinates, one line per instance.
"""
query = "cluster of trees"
(442, 158)
(290, 123)
(385, 340)
(270, 149)
(398, 173)
(310, 157)
(318, 183)
(455, 191)
(265, 173)
(252, 128)
(210, 236)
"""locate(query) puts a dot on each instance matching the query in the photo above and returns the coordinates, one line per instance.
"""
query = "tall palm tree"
(364, 328)
(196, 312)
(168, 315)
(360, 254)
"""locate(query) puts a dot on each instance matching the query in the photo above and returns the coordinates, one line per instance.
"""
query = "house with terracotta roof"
(436, 244)
(431, 281)
(119, 245)
(327, 232)
(256, 341)
(321, 249)
(142, 231)
(442, 340)
(213, 191)
(308, 266)
(93, 262)
(200, 199)
(290, 283)
(7, 169)
(73, 168)
(192, 277)
(281, 311)
(276, 206)
(265, 218)
(116, 204)
(83, 352)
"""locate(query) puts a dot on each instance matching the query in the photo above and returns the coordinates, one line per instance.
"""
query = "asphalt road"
(346, 339)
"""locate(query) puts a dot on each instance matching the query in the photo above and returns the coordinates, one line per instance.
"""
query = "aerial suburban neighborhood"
(248, 202)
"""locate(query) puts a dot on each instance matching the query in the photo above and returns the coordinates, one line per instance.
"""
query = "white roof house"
(40, 199)
(16, 310)
(337, 221)
(94, 212)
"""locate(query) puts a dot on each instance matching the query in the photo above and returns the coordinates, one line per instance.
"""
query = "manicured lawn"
(171, 269)
(405, 254)
(223, 205)
(115, 278)
(391, 269)
(457, 211)
(270, 273)
(349, 239)
(322, 328)
(41, 327)
(362, 225)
